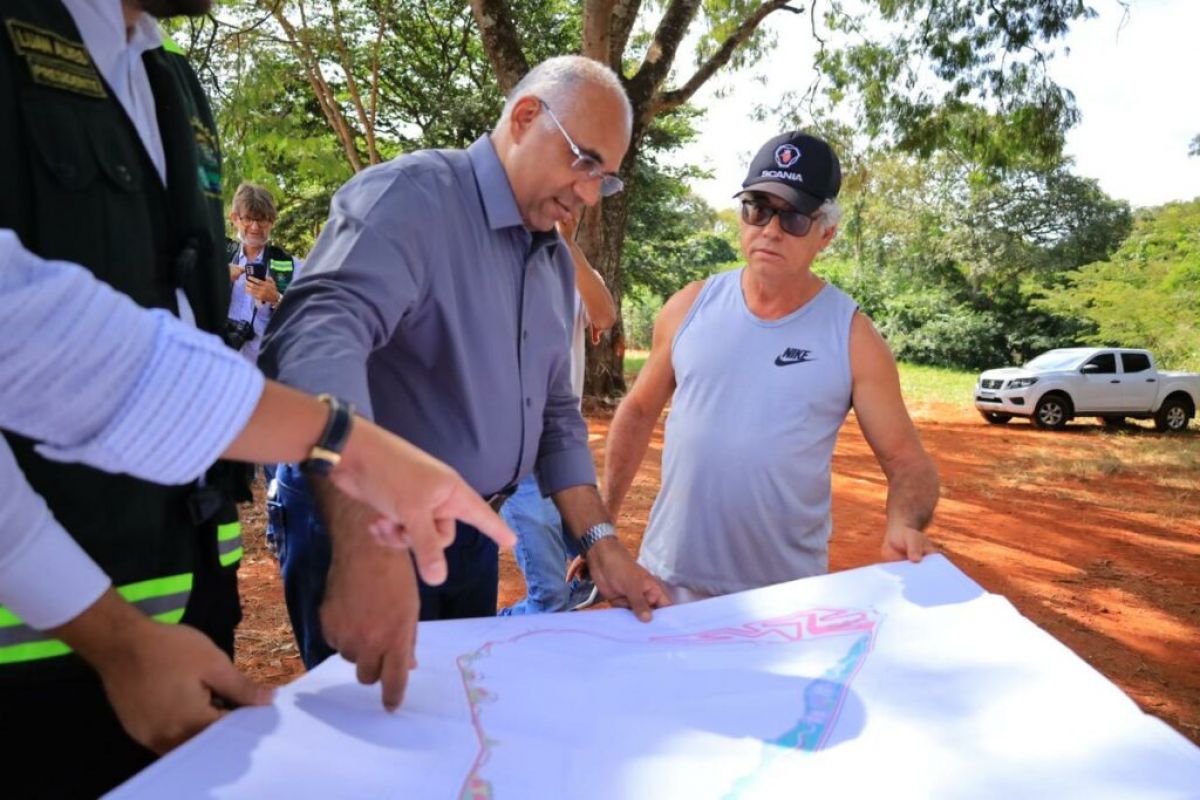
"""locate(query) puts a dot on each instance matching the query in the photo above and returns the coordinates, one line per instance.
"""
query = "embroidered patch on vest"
(209, 161)
(54, 61)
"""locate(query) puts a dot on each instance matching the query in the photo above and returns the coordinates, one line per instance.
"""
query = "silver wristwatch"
(601, 530)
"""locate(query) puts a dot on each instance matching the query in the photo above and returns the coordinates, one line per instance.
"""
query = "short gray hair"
(557, 81)
(254, 202)
(829, 214)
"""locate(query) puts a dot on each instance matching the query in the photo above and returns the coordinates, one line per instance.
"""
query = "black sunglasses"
(759, 215)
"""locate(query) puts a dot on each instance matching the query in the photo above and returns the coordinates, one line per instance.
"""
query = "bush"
(639, 313)
(933, 328)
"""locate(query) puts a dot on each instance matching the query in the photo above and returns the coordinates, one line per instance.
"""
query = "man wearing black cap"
(764, 362)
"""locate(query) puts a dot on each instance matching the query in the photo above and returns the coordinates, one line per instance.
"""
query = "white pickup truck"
(1110, 383)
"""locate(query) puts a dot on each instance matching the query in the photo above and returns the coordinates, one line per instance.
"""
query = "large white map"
(903, 680)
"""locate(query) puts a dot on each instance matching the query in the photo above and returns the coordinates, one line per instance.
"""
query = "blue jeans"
(543, 550)
(304, 555)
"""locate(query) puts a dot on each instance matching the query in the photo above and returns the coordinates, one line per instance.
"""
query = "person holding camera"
(259, 271)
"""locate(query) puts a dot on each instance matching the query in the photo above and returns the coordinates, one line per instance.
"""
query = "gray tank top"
(746, 491)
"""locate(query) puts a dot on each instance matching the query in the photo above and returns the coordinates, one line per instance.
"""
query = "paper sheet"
(900, 679)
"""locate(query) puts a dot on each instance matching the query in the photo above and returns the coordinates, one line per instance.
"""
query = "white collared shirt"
(118, 56)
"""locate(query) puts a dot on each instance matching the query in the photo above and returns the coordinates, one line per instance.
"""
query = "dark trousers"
(304, 555)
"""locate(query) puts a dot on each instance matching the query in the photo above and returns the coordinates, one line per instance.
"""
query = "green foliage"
(639, 311)
(946, 257)
(923, 84)
(1148, 293)
(672, 236)
(418, 66)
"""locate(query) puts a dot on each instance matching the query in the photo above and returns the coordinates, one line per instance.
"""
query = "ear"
(523, 115)
(828, 235)
(232, 215)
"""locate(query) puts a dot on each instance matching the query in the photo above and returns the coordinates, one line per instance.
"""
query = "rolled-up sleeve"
(362, 277)
(107, 383)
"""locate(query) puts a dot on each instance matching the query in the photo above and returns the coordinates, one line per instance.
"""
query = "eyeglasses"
(759, 215)
(610, 184)
(259, 222)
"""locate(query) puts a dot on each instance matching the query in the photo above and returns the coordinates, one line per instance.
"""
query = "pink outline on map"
(824, 697)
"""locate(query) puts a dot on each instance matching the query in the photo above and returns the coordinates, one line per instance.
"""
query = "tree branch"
(597, 29)
(500, 41)
(666, 101)
(624, 15)
(661, 54)
(352, 84)
(325, 97)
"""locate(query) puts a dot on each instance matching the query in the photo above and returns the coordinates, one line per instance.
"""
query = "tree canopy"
(960, 205)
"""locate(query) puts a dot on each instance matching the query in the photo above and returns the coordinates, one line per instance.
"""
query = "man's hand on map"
(370, 609)
(166, 683)
(905, 542)
(624, 582)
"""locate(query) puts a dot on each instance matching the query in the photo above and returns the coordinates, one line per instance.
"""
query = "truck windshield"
(1056, 359)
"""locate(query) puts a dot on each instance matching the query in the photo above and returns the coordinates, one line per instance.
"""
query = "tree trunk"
(602, 237)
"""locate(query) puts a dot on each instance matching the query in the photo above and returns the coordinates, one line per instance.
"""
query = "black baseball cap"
(798, 168)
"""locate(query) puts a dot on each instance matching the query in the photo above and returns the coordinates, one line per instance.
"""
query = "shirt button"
(528, 402)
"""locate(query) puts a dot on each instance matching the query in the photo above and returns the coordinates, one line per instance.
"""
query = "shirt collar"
(498, 202)
(101, 24)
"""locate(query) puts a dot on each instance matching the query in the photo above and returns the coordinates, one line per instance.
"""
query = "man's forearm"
(628, 438)
(602, 311)
(913, 490)
(285, 425)
(345, 518)
(580, 508)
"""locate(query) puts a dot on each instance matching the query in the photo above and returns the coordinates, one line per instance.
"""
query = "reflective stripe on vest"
(163, 599)
(281, 266)
(229, 543)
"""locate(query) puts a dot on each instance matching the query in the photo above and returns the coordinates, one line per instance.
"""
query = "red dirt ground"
(1088, 536)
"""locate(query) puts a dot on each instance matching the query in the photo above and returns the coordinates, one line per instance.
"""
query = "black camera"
(237, 332)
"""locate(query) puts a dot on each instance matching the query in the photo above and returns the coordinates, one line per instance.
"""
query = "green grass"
(922, 384)
(634, 361)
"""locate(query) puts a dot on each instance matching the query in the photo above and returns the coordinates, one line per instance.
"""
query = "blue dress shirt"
(428, 304)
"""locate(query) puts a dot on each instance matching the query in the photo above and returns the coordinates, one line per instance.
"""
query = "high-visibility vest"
(79, 186)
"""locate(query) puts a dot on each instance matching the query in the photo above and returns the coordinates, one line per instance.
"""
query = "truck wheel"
(1051, 412)
(995, 418)
(1113, 422)
(1172, 416)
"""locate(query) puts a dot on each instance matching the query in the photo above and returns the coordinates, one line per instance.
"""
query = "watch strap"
(601, 530)
(327, 452)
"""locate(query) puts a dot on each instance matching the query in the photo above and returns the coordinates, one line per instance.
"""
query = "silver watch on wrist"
(601, 530)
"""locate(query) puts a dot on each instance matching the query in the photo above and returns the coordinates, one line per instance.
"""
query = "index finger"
(469, 507)
(394, 676)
